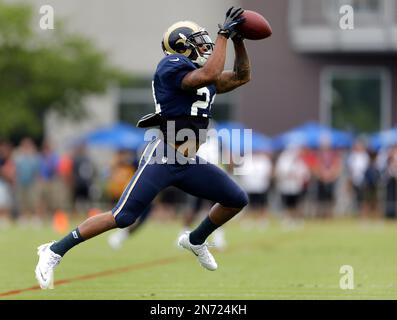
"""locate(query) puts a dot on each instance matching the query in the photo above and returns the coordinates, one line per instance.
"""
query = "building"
(310, 69)
(130, 32)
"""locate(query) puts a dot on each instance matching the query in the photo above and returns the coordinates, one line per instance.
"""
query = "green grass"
(258, 264)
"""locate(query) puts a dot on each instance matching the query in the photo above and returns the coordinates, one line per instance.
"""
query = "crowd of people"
(295, 183)
(36, 182)
(324, 182)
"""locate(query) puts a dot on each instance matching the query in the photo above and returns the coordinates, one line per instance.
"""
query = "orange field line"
(99, 274)
(164, 261)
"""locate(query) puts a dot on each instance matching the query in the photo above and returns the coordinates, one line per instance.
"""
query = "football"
(255, 26)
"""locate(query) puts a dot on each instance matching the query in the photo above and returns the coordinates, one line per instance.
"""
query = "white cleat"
(200, 251)
(116, 239)
(48, 260)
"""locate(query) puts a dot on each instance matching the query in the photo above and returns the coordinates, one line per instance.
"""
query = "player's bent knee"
(124, 220)
(242, 199)
(128, 213)
(238, 201)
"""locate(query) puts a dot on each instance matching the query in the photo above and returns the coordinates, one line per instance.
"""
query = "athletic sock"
(62, 246)
(198, 235)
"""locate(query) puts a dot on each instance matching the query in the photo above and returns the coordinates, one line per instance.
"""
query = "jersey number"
(203, 102)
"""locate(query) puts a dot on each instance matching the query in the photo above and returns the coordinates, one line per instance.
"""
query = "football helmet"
(189, 39)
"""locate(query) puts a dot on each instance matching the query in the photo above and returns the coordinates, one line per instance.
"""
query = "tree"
(41, 73)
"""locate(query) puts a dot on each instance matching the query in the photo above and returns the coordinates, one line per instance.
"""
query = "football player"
(184, 88)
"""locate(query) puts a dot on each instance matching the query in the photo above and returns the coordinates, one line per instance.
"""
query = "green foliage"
(38, 72)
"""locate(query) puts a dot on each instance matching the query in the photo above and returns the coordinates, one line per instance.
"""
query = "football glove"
(233, 18)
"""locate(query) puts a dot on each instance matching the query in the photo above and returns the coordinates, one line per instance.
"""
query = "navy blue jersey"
(171, 101)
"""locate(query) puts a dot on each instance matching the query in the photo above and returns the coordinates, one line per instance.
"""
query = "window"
(366, 12)
(369, 12)
(356, 99)
(136, 100)
(367, 6)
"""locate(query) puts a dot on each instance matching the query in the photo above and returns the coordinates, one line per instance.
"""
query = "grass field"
(258, 264)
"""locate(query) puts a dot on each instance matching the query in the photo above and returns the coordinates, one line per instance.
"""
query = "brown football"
(255, 26)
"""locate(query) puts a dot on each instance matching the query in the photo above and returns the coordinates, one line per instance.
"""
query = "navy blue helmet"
(189, 39)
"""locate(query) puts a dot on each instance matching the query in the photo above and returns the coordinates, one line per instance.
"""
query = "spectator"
(83, 173)
(122, 170)
(327, 170)
(371, 187)
(391, 184)
(357, 164)
(27, 164)
(256, 180)
(63, 183)
(292, 176)
(47, 191)
(8, 207)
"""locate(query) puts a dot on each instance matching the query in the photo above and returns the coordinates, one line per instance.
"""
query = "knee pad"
(123, 220)
(128, 214)
(239, 200)
(242, 199)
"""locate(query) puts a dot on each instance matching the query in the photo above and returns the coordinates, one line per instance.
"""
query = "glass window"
(367, 6)
(136, 100)
(369, 12)
(366, 12)
(131, 112)
(357, 99)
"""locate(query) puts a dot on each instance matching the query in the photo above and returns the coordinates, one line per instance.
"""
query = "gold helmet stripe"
(187, 24)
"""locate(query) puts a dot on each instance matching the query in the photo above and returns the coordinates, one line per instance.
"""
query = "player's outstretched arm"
(241, 73)
(212, 70)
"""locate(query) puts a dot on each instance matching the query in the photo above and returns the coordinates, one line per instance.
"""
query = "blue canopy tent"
(236, 143)
(118, 136)
(229, 125)
(260, 142)
(312, 135)
(383, 139)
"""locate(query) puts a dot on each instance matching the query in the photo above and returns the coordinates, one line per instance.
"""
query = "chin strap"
(200, 60)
